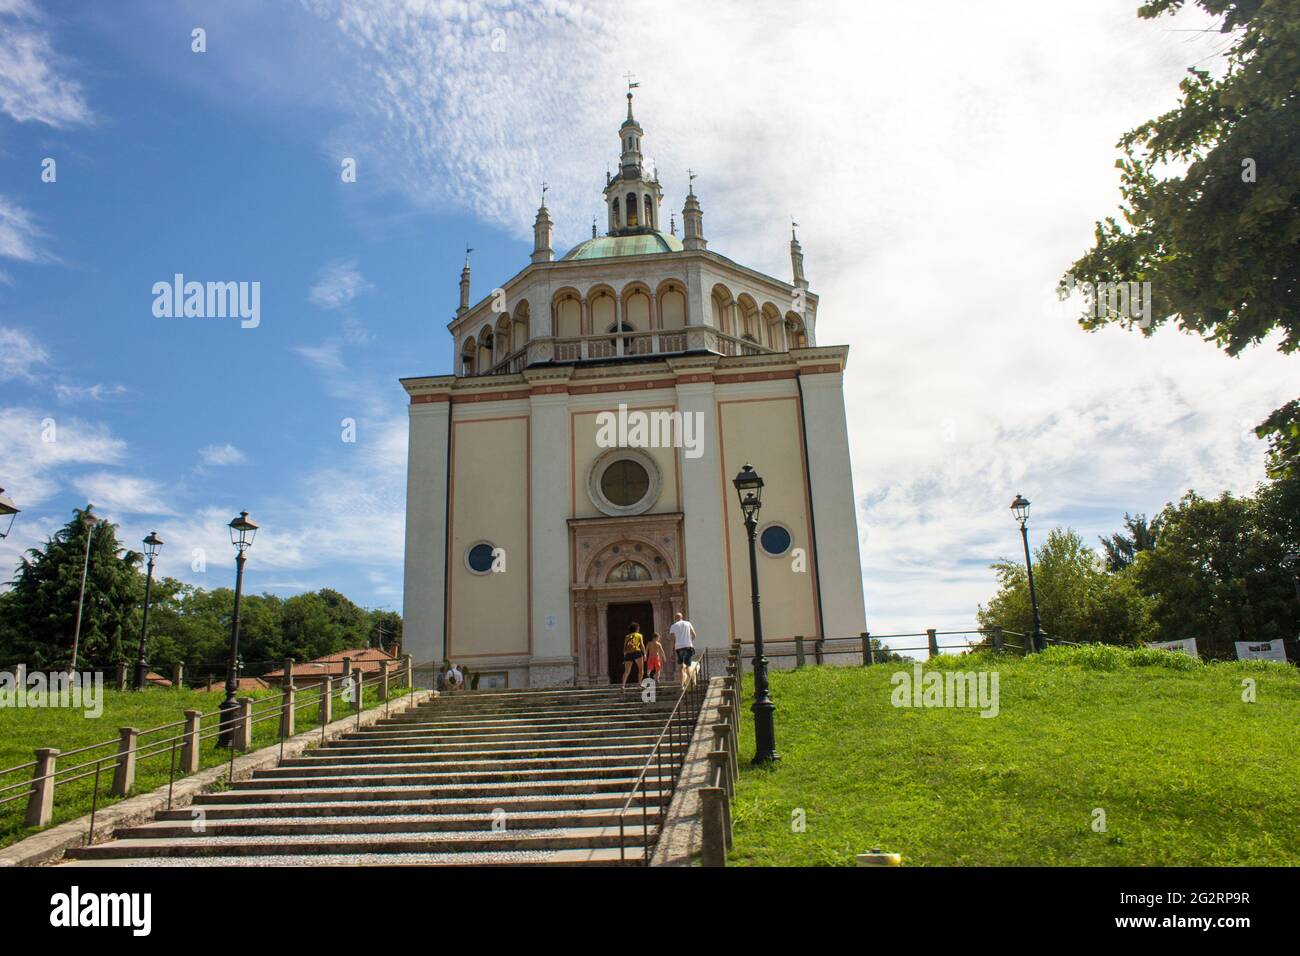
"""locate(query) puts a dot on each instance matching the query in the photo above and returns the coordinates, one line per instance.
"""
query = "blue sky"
(942, 187)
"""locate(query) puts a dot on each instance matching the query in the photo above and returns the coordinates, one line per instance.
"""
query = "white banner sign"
(1261, 650)
(1185, 646)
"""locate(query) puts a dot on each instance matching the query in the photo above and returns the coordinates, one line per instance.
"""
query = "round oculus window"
(775, 540)
(479, 557)
(624, 483)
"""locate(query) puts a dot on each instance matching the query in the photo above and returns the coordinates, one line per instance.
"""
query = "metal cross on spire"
(545, 186)
(631, 84)
(690, 176)
(468, 250)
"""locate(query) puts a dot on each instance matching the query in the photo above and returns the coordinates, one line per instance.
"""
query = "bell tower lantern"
(631, 198)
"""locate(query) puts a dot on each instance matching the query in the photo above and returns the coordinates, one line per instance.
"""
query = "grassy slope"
(1187, 773)
(23, 730)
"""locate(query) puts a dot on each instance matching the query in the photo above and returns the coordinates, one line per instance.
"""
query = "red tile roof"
(365, 659)
(244, 683)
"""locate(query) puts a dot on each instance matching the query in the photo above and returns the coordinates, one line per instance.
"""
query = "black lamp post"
(152, 545)
(242, 532)
(749, 489)
(1020, 508)
(7, 510)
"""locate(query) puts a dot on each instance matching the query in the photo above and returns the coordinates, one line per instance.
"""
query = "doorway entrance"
(618, 617)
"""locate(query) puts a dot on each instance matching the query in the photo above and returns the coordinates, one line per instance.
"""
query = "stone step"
(506, 730)
(593, 731)
(478, 723)
(426, 786)
(460, 768)
(587, 856)
(311, 844)
(511, 755)
(461, 745)
(632, 703)
(483, 821)
(489, 698)
(255, 792)
(541, 692)
(456, 779)
(515, 721)
(459, 804)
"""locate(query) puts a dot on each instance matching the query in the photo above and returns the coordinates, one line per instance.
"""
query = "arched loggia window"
(631, 210)
(627, 342)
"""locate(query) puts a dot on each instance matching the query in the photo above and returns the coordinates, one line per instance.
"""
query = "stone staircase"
(477, 778)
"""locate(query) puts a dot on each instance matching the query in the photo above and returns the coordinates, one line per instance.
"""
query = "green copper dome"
(609, 247)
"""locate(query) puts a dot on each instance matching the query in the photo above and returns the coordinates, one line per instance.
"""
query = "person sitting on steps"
(455, 679)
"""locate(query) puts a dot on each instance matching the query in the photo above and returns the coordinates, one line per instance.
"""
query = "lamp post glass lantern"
(1020, 508)
(242, 532)
(749, 491)
(8, 511)
(152, 545)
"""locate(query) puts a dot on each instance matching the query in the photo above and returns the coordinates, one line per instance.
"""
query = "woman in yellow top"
(633, 653)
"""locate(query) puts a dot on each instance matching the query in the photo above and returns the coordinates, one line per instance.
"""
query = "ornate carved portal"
(623, 561)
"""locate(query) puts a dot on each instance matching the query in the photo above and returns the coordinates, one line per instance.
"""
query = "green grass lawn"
(22, 730)
(1186, 772)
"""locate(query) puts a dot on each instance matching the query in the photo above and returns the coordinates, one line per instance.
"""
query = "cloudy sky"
(946, 162)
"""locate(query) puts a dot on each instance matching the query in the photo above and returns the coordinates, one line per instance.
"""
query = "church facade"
(574, 474)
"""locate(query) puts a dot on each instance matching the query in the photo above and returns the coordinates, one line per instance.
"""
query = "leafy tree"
(1120, 548)
(1217, 573)
(186, 622)
(1078, 601)
(1220, 243)
(40, 610)
(385, 630)
(880, 654)
(321, 623)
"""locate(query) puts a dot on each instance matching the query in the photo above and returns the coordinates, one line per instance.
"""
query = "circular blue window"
(775, 539)
(479, 558)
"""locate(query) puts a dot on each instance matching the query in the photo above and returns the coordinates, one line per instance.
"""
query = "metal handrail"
(677, 757)
(64, 775)
(837, 645)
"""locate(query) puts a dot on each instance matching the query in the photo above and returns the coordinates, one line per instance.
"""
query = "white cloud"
(114, 494)
(35, 447)
(21, 356)
(32, 81)
(88, 393)
(349, 511)
(325, 357)
(338, 283)
(473, 106)
(19, 236)
(198, 546)
(220, 455)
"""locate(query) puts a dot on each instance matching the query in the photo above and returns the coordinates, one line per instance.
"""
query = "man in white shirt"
(683, 633)
(455, 679)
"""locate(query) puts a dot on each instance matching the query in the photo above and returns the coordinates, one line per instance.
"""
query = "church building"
(575, 473)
